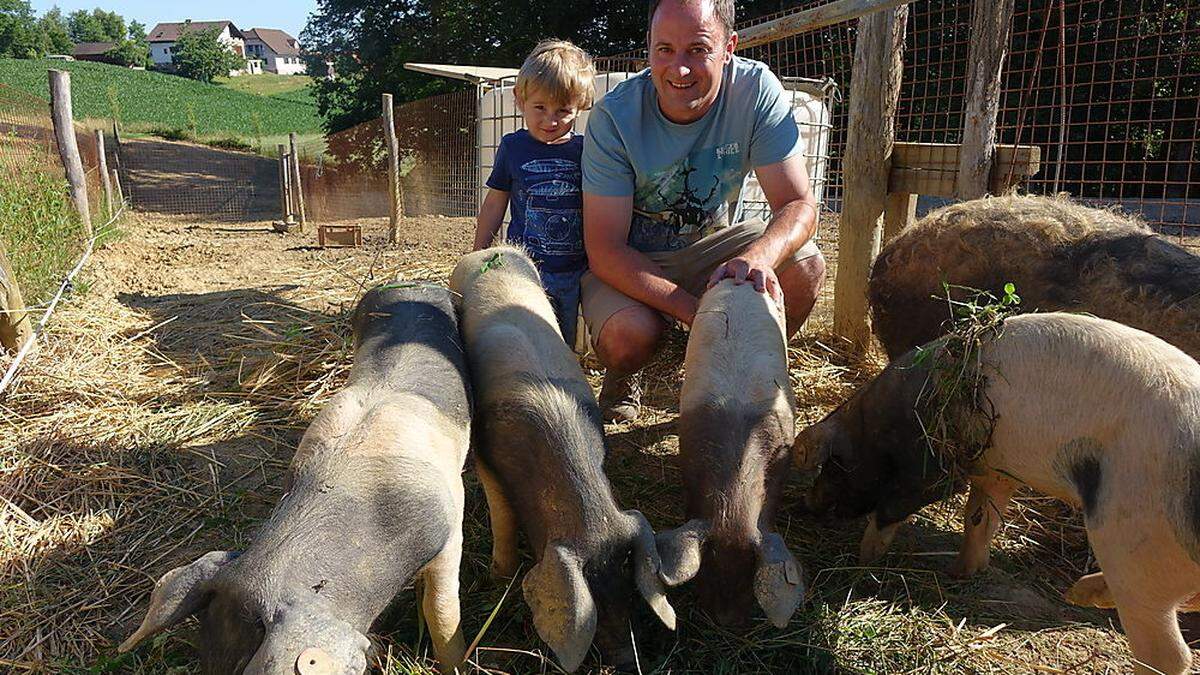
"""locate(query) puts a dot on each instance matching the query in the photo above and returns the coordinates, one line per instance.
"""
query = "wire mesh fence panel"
(39, 227)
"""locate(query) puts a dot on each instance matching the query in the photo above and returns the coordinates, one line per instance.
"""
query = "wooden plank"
(297, 188)
(105, 180)
(285, 202)
(811, 19)
(932, 168)
(116, 181)
(991, 23)
(68, 147)
(874, 93)
(899, 212)
(393, 150)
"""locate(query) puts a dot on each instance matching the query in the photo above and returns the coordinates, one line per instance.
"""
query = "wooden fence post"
(104, 178)
(991, 23)
(116, 182)
(393, 148)
(899, 212)
(15, 327)
(68, 147)
(297, 189)
(874, 92)
(285, 200)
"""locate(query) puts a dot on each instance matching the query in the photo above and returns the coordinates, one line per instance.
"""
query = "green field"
(287, 87)
(143, 100)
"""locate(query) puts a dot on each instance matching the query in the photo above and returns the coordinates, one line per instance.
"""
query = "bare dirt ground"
(157, 421)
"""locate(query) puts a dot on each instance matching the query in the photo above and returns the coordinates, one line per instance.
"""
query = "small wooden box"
(329, 236)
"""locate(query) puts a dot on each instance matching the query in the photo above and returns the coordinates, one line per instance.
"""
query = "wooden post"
(899, 212)
(803, 21)
(116, 182)
(104, 178)
(68, 147)
(116, 146)
(297, 189)
(15, 327)
(874, 92)
(393, 148)
(285, 202)
(991, 22)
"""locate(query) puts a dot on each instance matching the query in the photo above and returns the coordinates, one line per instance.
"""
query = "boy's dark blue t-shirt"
(545, 199)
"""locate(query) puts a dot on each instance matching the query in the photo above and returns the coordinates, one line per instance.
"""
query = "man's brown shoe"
(621, 397)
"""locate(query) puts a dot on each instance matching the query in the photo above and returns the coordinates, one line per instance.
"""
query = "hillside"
(287, 87)
(146, 99)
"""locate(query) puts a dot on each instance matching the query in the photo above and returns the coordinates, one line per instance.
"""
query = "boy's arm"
(491, 214)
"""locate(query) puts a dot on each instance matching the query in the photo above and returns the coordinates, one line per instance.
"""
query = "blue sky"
(288, 15)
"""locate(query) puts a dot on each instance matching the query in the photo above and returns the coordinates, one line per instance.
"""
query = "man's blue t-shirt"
(685, 178)
(545, 202)
(546, 210)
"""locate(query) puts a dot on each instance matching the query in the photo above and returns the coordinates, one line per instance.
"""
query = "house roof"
(474, 74)
(169, 32)
(279, 41)
(92, 48)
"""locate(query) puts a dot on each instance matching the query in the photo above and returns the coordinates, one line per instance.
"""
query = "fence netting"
(39, 227)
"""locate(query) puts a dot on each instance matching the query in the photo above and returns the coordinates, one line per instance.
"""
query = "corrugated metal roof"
(475, 74)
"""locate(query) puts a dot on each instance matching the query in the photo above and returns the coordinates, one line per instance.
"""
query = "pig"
(1087, 410)
(1061, 256)
(539, 455)
(374, 500)
(736, 428)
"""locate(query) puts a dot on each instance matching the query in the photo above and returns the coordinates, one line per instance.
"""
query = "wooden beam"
(932, 168)
(393, 150)
(991, 23)
(285, 200)
(899, 212)
(297, 188)
(104, 178)
(811, 19)
(68, 147)
(874, 93)
(116, 182)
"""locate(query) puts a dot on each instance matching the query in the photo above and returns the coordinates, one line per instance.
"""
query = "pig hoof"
(960, 569)
(1090, 591)
(503, 572)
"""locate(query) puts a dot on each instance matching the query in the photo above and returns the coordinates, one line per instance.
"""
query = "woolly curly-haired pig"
(736, 426)
(375, 500)
(1060, 255)
(539, 454)
(1087, 410)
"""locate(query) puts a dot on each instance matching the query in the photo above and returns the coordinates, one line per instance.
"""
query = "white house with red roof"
(163, 36)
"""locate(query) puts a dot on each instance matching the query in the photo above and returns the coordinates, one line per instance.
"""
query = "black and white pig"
(539, 454)
(375, 500)
(1101, 415)
(736, 418)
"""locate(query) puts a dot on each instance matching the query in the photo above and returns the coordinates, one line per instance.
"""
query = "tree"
(56, 34)
(133, 50)
(96, 26)
(19, 34)
(200, 55)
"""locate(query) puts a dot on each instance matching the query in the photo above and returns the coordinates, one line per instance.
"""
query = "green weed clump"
(955, 414)
(40, 230)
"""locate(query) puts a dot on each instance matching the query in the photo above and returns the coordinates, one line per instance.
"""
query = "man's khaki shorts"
(688, 267)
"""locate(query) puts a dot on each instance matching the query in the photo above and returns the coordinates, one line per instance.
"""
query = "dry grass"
(135, 442)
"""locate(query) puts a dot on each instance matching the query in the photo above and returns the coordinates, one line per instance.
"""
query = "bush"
(172, 133)
(200, 55)
(231, 143)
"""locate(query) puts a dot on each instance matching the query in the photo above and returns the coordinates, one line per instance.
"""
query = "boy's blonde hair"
(560, 70)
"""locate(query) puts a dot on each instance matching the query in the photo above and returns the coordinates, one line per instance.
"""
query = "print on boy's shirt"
(553, 203)
(686, 201)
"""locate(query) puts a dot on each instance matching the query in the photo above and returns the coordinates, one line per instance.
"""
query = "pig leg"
(504, 524)
(440, 603)
(876, 540)
(982, 516)
(1148, 583)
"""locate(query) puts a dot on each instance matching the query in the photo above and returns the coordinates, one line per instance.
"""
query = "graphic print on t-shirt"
(553, 223)
(685, 201)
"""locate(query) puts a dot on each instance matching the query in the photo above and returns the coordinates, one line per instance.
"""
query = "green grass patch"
(40, 230)
(145, 99)
(285, 87)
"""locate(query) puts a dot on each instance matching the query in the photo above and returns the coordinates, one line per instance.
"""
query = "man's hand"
(742, 269)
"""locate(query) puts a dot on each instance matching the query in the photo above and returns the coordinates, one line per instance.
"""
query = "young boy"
(538, 168)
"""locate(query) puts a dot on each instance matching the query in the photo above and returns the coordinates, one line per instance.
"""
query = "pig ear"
(778, 581)
(178, 594)
(647, 569)
(817, 443)
(564, 612)
(680, 550)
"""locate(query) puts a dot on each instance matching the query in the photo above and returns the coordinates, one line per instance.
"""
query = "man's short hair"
(722, 8)
(559, 70)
